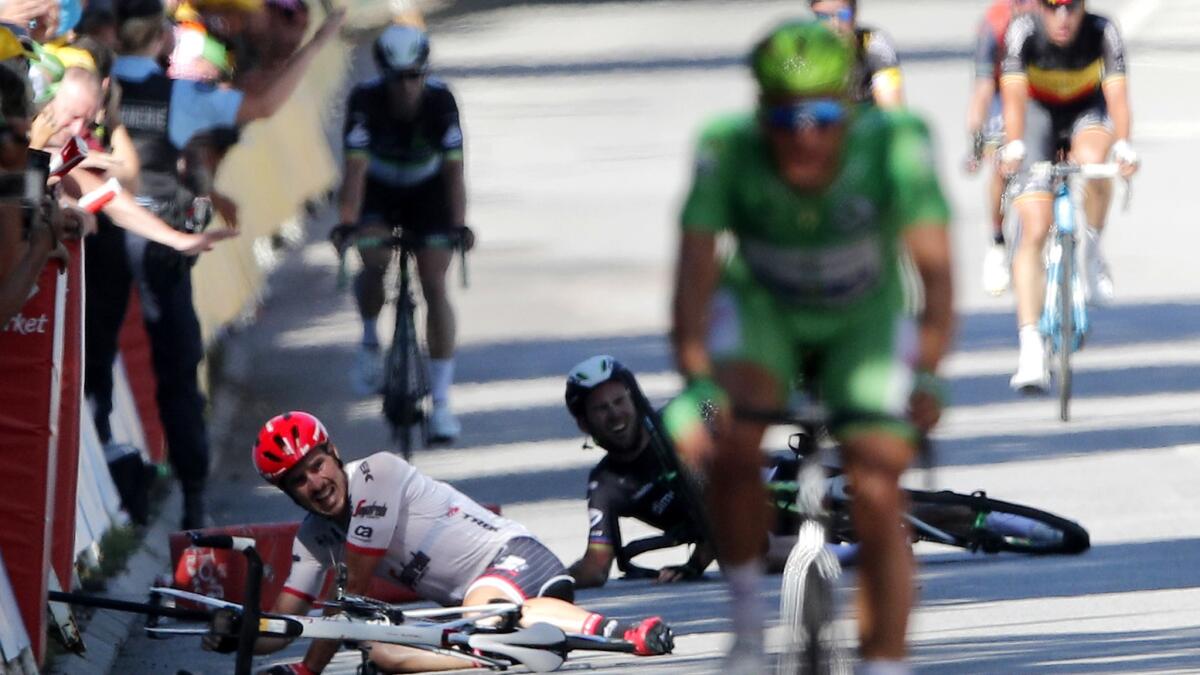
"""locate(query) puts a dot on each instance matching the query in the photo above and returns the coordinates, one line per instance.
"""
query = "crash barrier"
(16, 652)
(221, 573)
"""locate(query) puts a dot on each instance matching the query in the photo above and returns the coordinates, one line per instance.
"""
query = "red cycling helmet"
(284, 441)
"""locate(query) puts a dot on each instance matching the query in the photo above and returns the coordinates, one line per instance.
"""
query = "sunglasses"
(842, 15)
(406, 75)
(1069, 5)
(821, 113)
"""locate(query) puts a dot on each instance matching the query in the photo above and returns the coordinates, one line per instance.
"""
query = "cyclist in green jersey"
(823, 200)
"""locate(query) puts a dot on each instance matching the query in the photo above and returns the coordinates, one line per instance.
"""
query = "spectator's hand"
(195, 244)
(20, 12)
(43, 128)
(226, 207)
(72, 222)
(102, 161)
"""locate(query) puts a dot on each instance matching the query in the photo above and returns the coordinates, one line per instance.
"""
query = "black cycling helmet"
(401, 48)
(591, 373)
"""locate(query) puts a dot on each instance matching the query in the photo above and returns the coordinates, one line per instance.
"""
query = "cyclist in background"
(822, 198)
(404, 166)
(985, 126)
(1063, 81)
(877, 77)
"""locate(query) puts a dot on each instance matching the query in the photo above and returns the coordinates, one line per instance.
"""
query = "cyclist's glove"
(1123, 152)
(340, 235)
(685, 572)
(701, 401)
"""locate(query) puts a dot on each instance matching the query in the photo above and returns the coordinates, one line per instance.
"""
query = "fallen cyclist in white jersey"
(379, 516)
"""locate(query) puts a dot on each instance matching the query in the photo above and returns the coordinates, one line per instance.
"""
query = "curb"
(109, 629)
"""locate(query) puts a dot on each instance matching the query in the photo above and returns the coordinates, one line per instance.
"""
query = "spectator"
(162, 116)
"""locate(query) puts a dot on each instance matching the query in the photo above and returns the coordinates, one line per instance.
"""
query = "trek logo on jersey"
(364, 510)
(454, 511)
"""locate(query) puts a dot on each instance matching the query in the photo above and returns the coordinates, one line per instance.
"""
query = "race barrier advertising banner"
(69, 412)
(31, 346)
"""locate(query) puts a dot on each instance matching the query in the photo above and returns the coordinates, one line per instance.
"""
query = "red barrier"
(221, 573)
(28, 417)
(135, 352)
(62, 546)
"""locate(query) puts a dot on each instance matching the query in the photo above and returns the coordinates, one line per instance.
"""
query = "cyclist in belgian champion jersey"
(1063, 80)
(822, 198)
(877, 78)
(404, 166)
(985, 126)
(380, 517)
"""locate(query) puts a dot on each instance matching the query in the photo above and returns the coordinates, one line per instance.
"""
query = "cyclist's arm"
(928, 245)
(604, 501)
(593, 568)
(985, 85)
(456, 185)
(354, 186)
(360, 567)
(1116, 91)
(887, 83)
(696, 274)
(128, 168)
(285, 604)
(1014, 80)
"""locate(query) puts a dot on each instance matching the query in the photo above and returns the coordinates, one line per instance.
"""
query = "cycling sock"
(441, 376)
(748, 613)
(882, 667)
(1030, 337)
(370, 336)
(598, 624)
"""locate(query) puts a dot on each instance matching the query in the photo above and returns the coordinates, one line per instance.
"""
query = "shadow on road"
(980, 450)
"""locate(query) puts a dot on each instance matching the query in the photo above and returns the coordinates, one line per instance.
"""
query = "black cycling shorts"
(1048, 129)
(524, 568)
(422, 209)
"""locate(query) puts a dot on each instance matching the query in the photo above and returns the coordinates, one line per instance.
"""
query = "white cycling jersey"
(430, 536)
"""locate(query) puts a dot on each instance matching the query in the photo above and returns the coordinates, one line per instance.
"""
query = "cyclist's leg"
(368, 285)
(749, 341)
(866, 379)
(1091, 140)
(1033, 205)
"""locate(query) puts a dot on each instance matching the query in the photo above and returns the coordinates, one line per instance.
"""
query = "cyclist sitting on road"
(1063, 79)
(631, 482)
(877, 77)
(404, 167)
(381, 517)
(822, 198)
(985, 126)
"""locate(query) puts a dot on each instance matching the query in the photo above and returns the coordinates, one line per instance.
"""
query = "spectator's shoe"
(444, 427)
(651, 637)
(366, 378)
(1099, 281)
(996, 275)
(1032, 376)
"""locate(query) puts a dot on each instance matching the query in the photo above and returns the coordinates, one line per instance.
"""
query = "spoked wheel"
(1066, 323)
(405, 385)
(979, 522)
(806, 607)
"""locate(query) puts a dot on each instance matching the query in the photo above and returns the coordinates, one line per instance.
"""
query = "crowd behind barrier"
(64, 499)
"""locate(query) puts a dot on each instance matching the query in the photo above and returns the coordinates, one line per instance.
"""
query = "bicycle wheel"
(806, 607)
(403, 387)
(1066, 324)
(978, 522)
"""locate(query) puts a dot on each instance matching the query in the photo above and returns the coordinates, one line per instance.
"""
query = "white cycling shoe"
(1033, 375)
(1099, 281)
(366, 377)
(996, 275)
(444, 427)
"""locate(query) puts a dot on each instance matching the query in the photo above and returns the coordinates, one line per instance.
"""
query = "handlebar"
(405, 241)
(1089, 171)
(224, 541)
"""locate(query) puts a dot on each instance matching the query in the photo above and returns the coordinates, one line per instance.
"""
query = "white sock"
(882, 667)
(749, 611)
(1030, 337)
(370, 336)
(441, 376)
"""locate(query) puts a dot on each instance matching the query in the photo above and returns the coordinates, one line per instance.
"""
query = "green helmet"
(802, 57)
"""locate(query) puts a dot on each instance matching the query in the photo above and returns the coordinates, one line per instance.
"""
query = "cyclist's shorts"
(423, 208)
(863, 363)
(1048, 129)
(524, 568)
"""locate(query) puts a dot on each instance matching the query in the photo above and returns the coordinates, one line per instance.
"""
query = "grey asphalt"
(579, 117)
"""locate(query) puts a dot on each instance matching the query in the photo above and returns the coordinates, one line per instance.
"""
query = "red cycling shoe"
(651, 637)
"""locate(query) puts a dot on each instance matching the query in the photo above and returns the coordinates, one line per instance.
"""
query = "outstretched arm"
(265, 102)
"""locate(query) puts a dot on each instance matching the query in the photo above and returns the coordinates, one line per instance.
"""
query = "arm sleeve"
(309, 565)
(1016, 49)
(707, 207)
(881, 54)
(986, 53)
(918, 197)
(356, 132)
(197, 107)
(451, 129)
(1114, 52)
(377, 494)
(603, 512)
